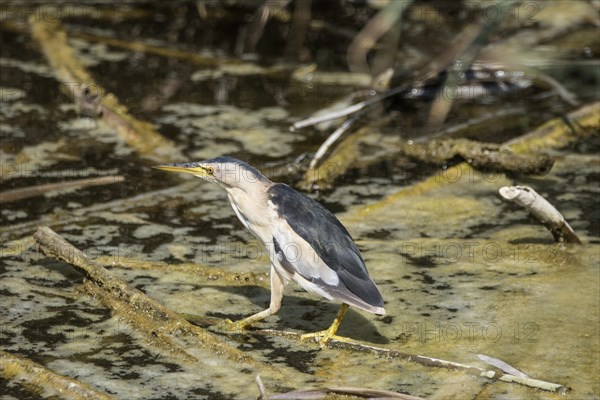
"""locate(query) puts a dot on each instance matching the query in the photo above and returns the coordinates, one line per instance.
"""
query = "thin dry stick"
(441, 62)
(562, 91)
(261, 388)
(477, 123)
(348, 110)
(163, 51)
(542, 210)
(323, 393)
(355, 345)
(468, 46)
(334, 137)
(150, 318)
(40, 190)
(37, 378)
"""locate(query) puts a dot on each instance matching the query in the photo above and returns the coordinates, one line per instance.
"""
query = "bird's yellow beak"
(190, 168)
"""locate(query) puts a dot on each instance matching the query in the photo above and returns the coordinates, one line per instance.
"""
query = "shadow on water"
(305, 315)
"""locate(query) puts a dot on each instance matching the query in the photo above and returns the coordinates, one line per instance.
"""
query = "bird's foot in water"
(323, 337)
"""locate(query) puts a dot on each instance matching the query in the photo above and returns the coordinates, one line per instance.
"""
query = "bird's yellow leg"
(330, 333)
(243, 324)
(277, 284)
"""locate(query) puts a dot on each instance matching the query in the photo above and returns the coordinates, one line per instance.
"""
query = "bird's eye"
(210, 170)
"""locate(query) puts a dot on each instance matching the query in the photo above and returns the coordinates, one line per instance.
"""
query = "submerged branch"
(40, 190)
(158, 50)
(483, 156)
(158, 324)
(542, 210)
(358, 346)
(465, 45)
(92, 98)
(38, 379)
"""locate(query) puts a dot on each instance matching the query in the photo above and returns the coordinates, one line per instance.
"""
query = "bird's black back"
(329, 239)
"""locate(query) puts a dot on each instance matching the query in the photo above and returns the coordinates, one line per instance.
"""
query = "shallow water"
(462, 272)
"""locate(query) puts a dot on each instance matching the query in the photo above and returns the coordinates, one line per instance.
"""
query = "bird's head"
(228, 172)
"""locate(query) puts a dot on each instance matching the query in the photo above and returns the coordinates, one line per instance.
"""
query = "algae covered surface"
(462, 272)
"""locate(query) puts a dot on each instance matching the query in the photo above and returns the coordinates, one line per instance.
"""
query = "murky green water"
(462, 272)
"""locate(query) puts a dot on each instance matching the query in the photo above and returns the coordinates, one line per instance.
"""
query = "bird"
(306, 243)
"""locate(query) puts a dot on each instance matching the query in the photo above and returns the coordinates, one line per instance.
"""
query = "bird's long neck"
(251, 208)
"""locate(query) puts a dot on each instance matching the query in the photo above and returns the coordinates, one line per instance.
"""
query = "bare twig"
(348, 110)
(326, 392)
(508, 116)
(37, 378)
(334, 137)
(442, 61)
(160, 50)
(541, 209)
(40, 190)
(355, 345)
(261, 388)
(560, 89)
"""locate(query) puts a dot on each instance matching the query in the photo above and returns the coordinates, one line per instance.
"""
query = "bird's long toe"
(323, 337)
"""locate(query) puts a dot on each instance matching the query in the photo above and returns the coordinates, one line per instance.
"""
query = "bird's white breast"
(259, 215)
(254, 211)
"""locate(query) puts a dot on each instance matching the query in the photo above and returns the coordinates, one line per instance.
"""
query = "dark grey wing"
(329, 239)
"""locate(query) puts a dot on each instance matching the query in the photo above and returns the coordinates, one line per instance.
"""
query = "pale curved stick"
(334, 137)
(542, 210)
